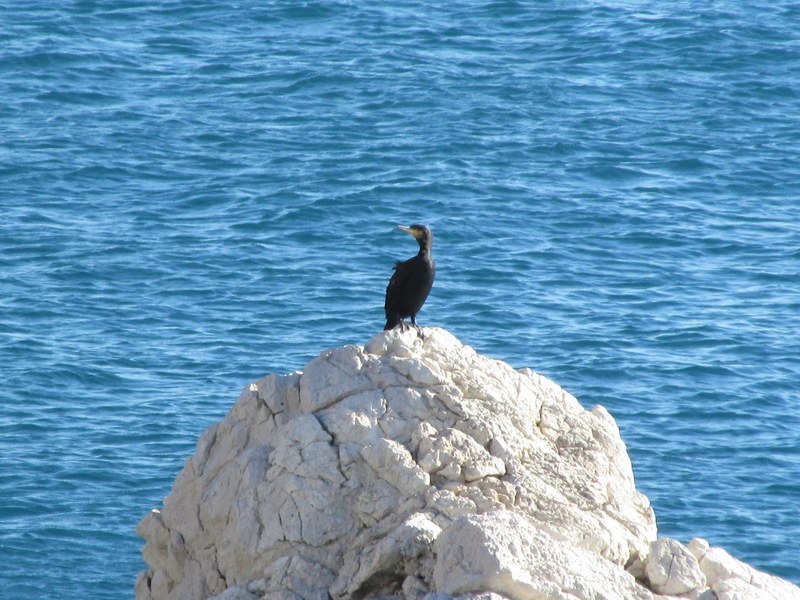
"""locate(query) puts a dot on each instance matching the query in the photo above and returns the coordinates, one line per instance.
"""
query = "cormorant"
(412, 280)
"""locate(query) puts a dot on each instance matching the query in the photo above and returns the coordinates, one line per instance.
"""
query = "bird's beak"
(407, 230)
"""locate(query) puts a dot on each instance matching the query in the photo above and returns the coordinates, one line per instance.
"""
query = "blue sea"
(196, 194)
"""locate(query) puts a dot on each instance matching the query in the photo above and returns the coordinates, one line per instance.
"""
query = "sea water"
(196, 194)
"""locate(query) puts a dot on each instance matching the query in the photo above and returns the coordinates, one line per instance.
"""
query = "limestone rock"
(672, 569)
(731, 579)
(504, 552)
(412, 468)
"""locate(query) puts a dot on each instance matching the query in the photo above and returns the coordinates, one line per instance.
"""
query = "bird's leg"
(417, 327)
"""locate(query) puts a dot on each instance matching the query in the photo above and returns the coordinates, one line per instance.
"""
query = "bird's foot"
(403, 326)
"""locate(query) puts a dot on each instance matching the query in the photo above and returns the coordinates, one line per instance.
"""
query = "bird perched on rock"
(412, 280)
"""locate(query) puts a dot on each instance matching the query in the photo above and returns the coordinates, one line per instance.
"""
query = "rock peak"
(414, 466)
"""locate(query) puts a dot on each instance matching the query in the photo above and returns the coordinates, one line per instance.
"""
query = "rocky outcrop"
(414, 467)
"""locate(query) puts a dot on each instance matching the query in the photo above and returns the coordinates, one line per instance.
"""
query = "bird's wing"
(396, 283)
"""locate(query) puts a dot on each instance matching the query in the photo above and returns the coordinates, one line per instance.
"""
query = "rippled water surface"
(195, 194)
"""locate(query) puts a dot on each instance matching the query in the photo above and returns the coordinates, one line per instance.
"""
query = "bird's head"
(421, 233)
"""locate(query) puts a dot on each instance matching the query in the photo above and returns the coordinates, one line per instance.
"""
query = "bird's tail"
(391, 322)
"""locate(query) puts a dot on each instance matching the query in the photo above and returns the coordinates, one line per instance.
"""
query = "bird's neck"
(424, 249)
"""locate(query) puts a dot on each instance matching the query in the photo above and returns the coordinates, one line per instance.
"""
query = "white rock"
(236, 593)
(294, 577)
(457, 456)
(322, 383)
(503, 552)
(672, 569)
(393, 463)
(397, 556)
(409, 468)
(731, 579)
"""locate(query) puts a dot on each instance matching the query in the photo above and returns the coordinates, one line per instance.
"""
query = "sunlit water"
(195, 194)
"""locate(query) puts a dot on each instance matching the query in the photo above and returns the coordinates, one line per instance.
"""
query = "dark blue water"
(195, 194)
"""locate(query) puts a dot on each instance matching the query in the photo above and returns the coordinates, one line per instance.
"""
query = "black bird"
(412, 280)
